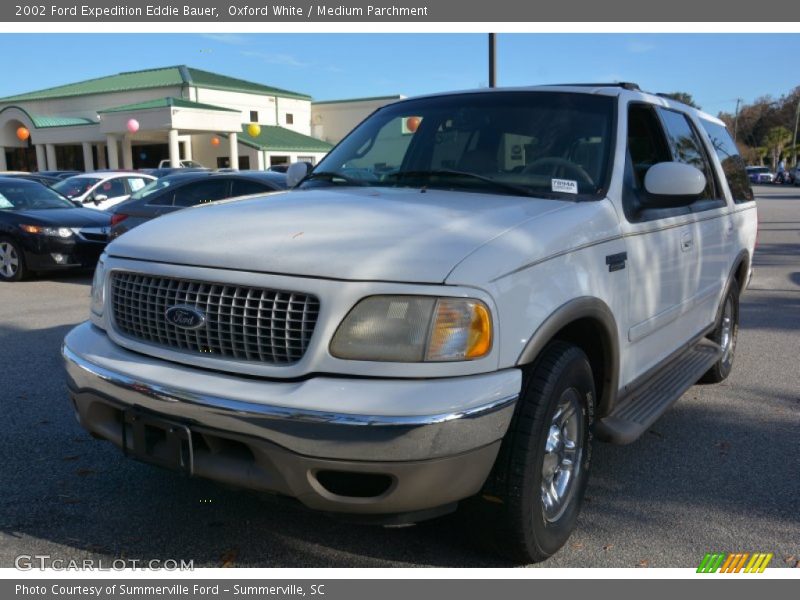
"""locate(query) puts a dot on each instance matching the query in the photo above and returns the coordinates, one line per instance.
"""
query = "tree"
(775, 140)
(684, 97)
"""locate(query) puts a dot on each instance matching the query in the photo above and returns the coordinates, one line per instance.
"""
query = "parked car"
(40, 230)
(760, 174)
(454, 312)
(163, 172)
(184, 164)
(38, 177)
(102, 189)
(60, 174)
(182, 190)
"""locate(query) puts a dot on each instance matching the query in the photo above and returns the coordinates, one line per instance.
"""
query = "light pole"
(794, 139)
(492, 61)
(736, 119)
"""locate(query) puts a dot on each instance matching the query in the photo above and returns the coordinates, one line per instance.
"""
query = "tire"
(12, 261)
(725, 334)
(530, 525)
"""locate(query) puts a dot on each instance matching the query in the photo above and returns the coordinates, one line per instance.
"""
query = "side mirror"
(672, 184)
(296, 172)
(98, 198)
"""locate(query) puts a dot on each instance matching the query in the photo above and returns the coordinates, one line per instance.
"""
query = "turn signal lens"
(462, 330)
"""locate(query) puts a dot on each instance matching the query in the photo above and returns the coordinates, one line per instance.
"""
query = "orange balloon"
(412, 123)
(23, 133)
(215, 141)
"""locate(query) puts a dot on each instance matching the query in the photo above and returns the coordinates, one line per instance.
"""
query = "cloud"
(226, 38)
(639, 47)
(286, 60)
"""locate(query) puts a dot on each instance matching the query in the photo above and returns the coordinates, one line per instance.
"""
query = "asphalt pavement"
(719, 472)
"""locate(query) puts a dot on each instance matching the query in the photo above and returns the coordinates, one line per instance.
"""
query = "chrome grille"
(242, 323)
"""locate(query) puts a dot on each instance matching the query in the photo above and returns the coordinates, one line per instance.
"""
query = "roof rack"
(627, 85)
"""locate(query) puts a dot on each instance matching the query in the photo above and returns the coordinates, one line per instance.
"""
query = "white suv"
(459, 298)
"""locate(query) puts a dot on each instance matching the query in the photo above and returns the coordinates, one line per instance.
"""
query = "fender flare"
(583, 307)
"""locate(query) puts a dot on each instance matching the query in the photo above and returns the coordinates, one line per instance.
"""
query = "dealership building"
(137, 119)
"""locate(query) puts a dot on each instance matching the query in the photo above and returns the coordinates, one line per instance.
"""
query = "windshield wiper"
(333, 175)
(509, 187)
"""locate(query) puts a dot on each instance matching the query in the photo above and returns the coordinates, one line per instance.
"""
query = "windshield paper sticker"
(565, 186)
(4, 203)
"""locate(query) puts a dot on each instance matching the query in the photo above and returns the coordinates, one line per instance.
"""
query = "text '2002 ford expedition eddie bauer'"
(453, 304)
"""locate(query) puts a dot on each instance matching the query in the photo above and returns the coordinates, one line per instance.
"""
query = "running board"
(650, 399)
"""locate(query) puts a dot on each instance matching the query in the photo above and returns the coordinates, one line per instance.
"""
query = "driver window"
(647, 144)
(111, 188)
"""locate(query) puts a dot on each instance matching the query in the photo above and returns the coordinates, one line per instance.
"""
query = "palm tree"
(775, 140)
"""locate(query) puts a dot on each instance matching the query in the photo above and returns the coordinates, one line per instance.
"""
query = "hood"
(368, 234)
(65, 217)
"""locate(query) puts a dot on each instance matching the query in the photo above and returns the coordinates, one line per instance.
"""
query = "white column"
(88, 159)
(3, 164)
(101, 156)
(50, 150)
(187, 146)
(260, 160)
(174, 149)
(41, 158)
(233, 149)
(127, 153)
(113, 154)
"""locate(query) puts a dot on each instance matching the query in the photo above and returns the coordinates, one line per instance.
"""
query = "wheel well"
(740, 274)
(585, 334)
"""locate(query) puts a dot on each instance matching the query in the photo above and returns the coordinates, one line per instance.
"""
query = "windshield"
(30, 196)
(75, 187)
(547, 144)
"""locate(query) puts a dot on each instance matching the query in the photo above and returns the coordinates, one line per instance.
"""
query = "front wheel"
(12, 261)
(725, 334)
(543, 466)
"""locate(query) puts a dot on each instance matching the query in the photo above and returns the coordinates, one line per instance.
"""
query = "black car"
(40, 230)
(60, 174)
(47, 180)
(182, 190)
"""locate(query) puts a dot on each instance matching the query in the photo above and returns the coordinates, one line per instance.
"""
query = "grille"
(242, 323)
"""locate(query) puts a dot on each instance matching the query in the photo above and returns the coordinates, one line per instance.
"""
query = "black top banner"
(399, 11)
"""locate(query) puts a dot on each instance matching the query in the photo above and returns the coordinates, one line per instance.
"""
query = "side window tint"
(112, 188)
(242, 187)
(201, 192)
(732, 163)
(646, 142)
(686, 147)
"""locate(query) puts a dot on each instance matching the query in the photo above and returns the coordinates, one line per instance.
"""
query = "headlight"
(63, 232)
(414, 329)
(98, 289)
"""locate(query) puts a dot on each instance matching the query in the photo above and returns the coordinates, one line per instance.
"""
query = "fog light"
(59, 258)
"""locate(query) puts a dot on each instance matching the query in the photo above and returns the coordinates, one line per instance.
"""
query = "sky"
(715, 68)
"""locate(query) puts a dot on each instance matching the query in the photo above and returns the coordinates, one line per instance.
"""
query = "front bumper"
(275, 435)
(41, 251)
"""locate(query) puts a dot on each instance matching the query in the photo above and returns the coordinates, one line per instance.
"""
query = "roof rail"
(627, 85)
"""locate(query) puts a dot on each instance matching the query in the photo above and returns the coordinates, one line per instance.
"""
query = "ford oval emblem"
(185, 317)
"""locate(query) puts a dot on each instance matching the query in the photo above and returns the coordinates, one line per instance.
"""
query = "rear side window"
(686, 146)
(242, 187)
(732, 163)
(201, 192)
(112, 188)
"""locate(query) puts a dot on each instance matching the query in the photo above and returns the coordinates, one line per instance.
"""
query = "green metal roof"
(275, 138)
(42, 122)
(179, 75)
(372, 98)
(164, 103)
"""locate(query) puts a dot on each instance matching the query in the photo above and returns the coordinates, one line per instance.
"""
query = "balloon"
(23, 133)
(254, 129)
(412, 123)
(133, 125)
(215, 141)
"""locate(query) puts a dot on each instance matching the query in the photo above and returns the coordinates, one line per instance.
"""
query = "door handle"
(686, 242)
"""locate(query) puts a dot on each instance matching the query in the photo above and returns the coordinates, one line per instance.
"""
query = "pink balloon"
(133, 125)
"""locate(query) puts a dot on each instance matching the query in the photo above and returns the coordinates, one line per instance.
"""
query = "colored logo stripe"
(734, 562)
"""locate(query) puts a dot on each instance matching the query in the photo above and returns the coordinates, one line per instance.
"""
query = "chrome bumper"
(477, 411)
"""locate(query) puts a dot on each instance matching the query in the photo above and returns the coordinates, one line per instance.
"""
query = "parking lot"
(719, 472)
